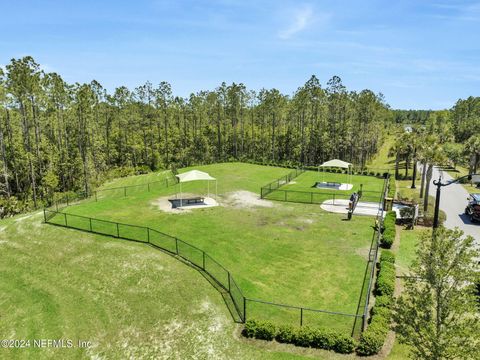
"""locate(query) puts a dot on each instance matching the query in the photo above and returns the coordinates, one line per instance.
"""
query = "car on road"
(473, 208)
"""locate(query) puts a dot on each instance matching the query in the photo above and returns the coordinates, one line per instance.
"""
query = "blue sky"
(419, 54)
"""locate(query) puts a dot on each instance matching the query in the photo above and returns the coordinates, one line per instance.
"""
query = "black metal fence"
(373, 255)
(245, 307)
(312, 197)
(123, 191)
(120, 191)
(274, 185)
(157, 239)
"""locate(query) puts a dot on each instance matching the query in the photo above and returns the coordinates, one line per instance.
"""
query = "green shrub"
(250, 329)
(384, 301)
(263, 330)
(389, 229)
(370, 343)
(388, 238)
(391, 187)
(385, 284)
(373, 337)
(323, 339)
(344, 344)
(382, 312)
(285, 334)
(387, 256)
(303, 337)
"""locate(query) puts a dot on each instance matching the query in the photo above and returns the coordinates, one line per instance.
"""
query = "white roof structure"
(194, 175)
(336, 163)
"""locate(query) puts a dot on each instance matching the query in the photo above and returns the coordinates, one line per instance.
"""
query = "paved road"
(453, 201)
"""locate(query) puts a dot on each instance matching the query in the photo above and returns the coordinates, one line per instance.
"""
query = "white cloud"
(302, 18)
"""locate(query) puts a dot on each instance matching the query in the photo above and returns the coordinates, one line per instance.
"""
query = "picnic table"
(194, 200)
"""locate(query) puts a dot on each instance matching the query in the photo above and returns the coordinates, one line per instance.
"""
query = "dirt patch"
(246, 199)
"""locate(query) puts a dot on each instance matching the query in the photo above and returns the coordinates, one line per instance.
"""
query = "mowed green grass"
(289, 253)
(302, 188)
(129, 300)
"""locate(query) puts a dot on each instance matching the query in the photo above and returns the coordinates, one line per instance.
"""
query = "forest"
(57, 137)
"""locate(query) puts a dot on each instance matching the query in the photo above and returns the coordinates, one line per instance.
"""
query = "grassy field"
(125, 298)
(381, 161)
(302, 189)
(287, 253)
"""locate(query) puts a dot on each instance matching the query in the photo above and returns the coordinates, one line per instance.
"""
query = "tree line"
(57, 137)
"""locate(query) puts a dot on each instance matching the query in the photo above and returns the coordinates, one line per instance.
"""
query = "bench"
(194, 200)
(329, 183)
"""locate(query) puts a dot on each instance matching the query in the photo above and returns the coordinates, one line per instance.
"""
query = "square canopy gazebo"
(196, 175)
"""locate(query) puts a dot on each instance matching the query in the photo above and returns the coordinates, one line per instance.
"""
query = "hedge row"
(300, 336)
(293, 165)
(389, 230)
(391, 187)
(373, 337)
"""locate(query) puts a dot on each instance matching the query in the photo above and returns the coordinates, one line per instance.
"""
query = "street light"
(439, 185)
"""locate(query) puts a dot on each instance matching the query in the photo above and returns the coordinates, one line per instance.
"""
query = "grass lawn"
(406, 252)
(460, 171)
(381, 161)
(288, 253)
(405, 255)
(306, 192)
(127, 299)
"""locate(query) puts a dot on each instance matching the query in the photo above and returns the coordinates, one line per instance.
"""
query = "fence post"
(176, 245)
(44, 215)
(65, 216)
(301, 316)
(203, 253)
(118, 231)
(363, 322)
(244, 309)
(90, 224)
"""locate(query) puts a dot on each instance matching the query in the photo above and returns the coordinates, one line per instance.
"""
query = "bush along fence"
(374, 336)
(389, 230)
(274, 185)
(245, 307)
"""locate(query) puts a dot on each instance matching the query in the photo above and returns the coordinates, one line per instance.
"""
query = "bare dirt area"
(246, 199)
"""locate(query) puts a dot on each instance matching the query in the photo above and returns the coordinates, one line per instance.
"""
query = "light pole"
(439, 185)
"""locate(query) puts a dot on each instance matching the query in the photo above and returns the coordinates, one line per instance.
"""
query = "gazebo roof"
(194, 175)
(336, 163)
